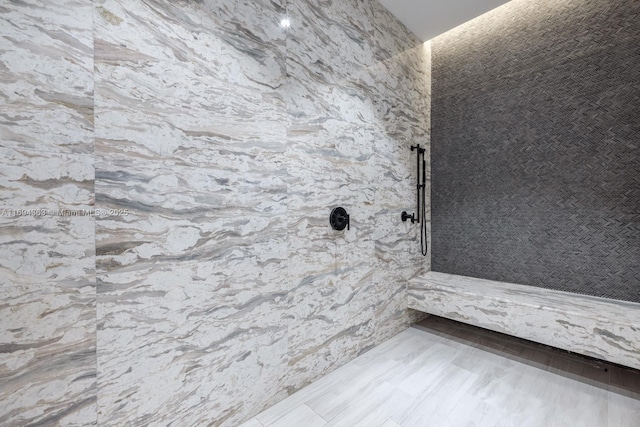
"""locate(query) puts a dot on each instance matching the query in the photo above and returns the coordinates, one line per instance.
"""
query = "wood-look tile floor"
(443, 373)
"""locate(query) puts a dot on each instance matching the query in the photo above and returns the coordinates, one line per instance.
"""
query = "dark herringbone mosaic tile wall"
(536, 147)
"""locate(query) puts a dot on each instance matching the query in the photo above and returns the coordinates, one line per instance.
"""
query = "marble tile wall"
(47, 252)
(207, 285)
(192, 288)
(349, 98)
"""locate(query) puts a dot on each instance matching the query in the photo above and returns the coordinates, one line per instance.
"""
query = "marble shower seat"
(598, 327)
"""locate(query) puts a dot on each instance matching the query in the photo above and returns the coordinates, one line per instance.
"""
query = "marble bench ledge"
(597, 327)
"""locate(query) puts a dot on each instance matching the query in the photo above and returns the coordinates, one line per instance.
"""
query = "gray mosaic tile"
(535, 152)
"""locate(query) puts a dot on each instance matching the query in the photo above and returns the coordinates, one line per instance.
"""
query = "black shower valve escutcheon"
(339, 219)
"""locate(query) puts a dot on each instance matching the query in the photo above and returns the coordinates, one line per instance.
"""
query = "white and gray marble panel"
(339, 155)
(332, 321)
(47, 223)
(332, 41)
(44, 250)
(46, 76)
(184, 82)
(45, 182)
(47, 220)
(218, 371)
(48, 354)
(198, 263)
(191, 140)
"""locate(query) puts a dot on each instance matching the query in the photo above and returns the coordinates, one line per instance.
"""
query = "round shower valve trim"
(339, 219)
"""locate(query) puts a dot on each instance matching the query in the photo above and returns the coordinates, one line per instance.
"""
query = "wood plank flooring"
(444, 373)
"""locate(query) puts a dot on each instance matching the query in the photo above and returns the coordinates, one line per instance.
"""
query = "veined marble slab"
(349, 68)
(48, 354)
(224, 139)
(597, 327)
(47, 223)
(46, 76)
(191, 139)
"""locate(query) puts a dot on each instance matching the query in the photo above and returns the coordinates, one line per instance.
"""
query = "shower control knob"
(406, 216)
(339, 219)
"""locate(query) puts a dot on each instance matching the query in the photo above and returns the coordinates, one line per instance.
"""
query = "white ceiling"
(429, 18)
